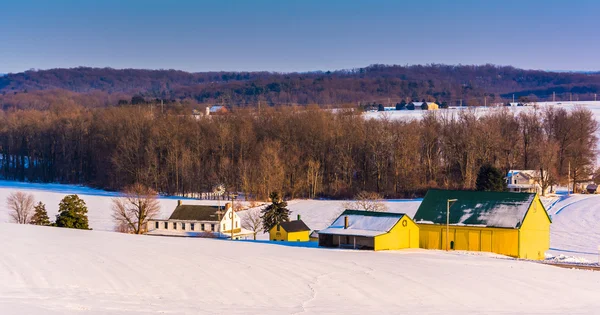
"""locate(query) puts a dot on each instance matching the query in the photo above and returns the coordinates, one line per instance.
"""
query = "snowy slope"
(59, 271)
(575, 229)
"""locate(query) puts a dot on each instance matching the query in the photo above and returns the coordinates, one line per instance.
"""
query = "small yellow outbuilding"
(371, 230)
(292, 231)
(507, 223)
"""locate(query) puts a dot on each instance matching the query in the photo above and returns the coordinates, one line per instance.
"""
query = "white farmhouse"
(524, 181)
(197, 220)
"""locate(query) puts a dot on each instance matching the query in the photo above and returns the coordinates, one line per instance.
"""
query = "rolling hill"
(375, 83)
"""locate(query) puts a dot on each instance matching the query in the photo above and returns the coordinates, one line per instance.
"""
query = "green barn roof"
(475, 208)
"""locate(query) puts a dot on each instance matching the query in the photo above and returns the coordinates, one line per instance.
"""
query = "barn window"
(166, 225)
(156, 224)
(192, 226)
(212, 227)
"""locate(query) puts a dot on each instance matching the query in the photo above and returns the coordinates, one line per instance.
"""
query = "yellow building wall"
(534, 238)
(302, 236)
(282, 235)
(496, 240)
(400, 236)
(275, 235)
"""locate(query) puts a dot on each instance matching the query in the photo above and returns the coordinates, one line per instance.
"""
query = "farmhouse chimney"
(345, 222)
(298, 217)
(178, 202)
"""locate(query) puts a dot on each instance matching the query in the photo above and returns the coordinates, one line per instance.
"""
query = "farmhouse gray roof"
(294, 226)
(196, 213)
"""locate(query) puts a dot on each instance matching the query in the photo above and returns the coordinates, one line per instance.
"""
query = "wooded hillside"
(473, 85)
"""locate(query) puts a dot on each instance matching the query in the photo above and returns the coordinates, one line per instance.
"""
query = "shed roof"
(363, 223)
(294, 226)
(196, 213)
(475, 208)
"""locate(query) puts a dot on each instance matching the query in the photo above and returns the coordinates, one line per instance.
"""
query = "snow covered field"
(593, 106)
(48, 270)
(60, 271)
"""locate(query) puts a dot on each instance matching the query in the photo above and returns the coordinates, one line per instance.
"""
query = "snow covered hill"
(575, 229)
(49, 270)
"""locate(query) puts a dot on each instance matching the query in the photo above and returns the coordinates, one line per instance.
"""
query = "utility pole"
(595, 95)
(553, 96)
(162, 107)
(570, 97)
(569, 180)
(513, 98)
(485, 101)
(461, 102)
(448, 222)
(232, 214)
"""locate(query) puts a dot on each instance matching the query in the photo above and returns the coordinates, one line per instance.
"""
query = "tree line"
(300, 152)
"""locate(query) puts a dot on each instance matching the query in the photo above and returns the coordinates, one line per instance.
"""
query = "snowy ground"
(49, 270)
(575, 229)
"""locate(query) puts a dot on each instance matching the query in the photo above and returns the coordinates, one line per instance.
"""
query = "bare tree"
(132, 211)
(252, 221)
(21, 207)
(368, 201)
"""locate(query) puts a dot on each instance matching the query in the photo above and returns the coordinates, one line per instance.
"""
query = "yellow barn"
(371, 230)
(293, 231)
(506, 223)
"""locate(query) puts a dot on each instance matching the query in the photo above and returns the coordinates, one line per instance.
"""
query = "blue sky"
(288, 35)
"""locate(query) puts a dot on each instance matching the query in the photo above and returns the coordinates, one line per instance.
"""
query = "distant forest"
(381, 84)
(300, 152)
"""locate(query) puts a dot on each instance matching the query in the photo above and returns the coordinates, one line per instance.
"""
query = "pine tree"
(40, 216)
(72, 213)
(490, 178)
(275, 213)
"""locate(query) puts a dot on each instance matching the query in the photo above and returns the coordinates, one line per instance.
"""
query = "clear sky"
(288, 35)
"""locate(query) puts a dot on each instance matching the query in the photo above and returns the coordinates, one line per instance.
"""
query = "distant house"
(414, 105)
(371, 230)
(389, 108)
(511, 224)
(430, 106)
(591, 188)
(199, 220)
(292, 231)
(524, 181)
(217, 109)
(514, 104)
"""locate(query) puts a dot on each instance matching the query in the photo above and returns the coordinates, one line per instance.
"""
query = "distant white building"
(198, 221)
(524, 181)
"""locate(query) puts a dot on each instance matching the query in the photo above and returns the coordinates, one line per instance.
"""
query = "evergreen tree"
(490, 178)
(40, 216)
(72, 213)
(380, 107)
(275, 213)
